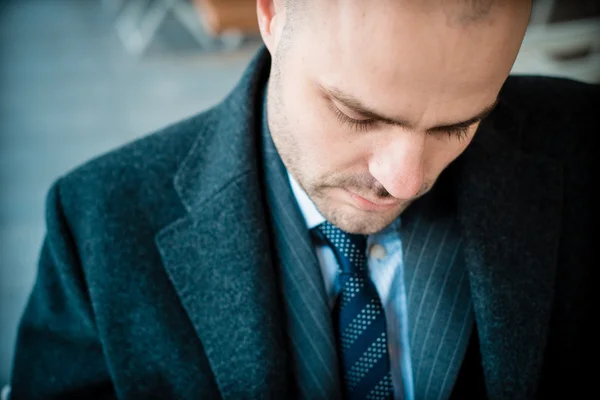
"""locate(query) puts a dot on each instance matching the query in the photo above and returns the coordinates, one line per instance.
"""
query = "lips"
(369, 205)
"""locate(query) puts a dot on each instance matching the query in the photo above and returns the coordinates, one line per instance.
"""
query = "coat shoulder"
(134, 180)
(553, 99)
(559, 116)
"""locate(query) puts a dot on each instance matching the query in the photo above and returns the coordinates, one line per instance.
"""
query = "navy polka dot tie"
(359, 319)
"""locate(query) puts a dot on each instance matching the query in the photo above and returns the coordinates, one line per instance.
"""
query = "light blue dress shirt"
(386, 269)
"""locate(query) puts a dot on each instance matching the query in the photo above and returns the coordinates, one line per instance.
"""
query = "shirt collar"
(309, 211)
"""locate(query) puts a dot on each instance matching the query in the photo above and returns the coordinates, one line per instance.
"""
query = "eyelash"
(357, 125)
(365, 125)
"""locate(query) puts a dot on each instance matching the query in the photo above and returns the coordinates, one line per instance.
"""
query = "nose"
(399, 165)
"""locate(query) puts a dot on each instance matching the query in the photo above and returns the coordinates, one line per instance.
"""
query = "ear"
(271, 18)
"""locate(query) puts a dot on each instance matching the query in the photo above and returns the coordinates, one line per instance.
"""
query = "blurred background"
(81, 77)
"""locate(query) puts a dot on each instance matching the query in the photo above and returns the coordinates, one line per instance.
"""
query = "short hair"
(295, 11)
(473, 10)
(468, 12)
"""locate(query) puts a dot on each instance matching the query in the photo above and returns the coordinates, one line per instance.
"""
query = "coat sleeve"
(58, 353)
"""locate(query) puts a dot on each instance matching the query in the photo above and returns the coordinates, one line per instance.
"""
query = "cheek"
(320, 137)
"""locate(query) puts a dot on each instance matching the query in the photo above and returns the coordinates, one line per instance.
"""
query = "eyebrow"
(356, 106)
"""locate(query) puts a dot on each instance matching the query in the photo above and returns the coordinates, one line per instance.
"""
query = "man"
(375, 211)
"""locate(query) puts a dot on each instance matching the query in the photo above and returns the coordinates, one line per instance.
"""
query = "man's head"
(369, 101)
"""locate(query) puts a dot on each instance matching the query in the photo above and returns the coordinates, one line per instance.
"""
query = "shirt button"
(378, 251)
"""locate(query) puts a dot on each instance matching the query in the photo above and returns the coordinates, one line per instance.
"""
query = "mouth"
(371, 205)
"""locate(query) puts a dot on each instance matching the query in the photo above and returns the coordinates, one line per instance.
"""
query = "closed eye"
(359, 125)
(459, 133)
(364, 125)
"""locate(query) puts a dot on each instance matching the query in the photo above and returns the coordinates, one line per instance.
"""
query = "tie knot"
(349, 248)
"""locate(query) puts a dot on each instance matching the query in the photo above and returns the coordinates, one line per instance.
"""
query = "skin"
(423, 66)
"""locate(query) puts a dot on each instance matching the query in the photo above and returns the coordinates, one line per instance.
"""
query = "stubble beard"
(343, 215)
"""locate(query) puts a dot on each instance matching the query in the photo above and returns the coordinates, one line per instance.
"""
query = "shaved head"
(369, 102)
(302, 14)
(458, 11)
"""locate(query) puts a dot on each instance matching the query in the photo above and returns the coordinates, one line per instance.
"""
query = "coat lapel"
(509, 205)
(226, 285)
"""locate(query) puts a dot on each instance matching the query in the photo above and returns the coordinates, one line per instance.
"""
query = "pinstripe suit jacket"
(156, 278)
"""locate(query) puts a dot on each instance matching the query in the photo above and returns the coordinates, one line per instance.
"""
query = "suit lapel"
(440, 315)
(215, 254)
(308, 315)
(509, 206)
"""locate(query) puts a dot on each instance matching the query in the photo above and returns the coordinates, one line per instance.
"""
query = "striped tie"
(359, 319)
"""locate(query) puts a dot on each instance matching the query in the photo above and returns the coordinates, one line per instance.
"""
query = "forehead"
(395, 56)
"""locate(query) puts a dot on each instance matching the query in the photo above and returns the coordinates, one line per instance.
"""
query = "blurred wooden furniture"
(221, 16)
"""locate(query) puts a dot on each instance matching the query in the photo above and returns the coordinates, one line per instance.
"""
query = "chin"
(352, 220)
